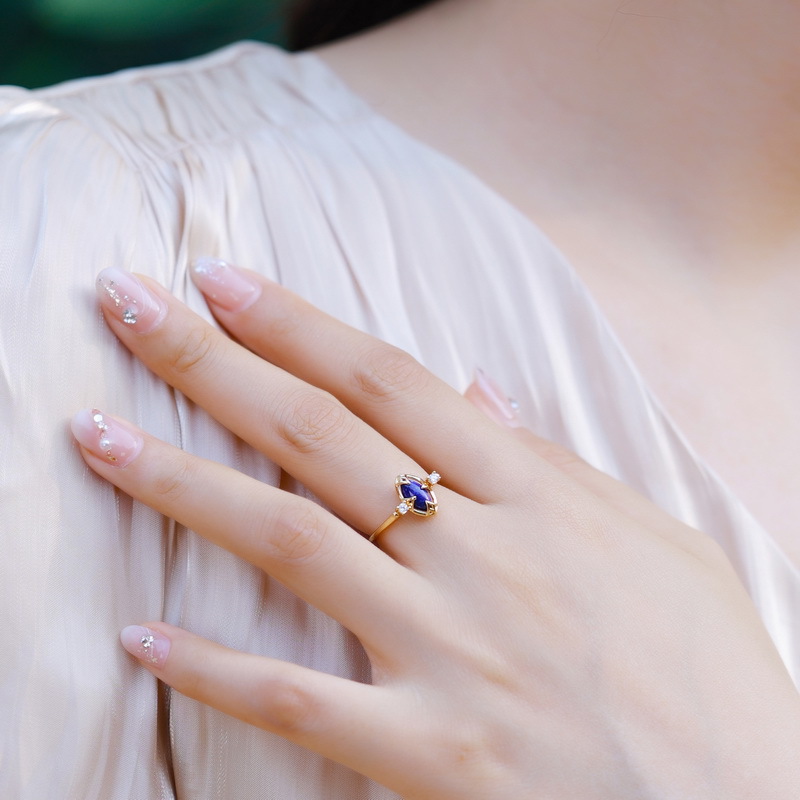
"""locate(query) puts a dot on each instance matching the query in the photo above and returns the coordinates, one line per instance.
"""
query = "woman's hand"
(548, 633)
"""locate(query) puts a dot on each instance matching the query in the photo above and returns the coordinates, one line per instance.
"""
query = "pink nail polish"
(500, 408)
(129, 300)
(110, 439)
(227, 286)
(147, 645)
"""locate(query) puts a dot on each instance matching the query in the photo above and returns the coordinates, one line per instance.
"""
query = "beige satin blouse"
(265, 159)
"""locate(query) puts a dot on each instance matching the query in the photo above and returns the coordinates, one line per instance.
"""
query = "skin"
(558, 636)
(657, 142)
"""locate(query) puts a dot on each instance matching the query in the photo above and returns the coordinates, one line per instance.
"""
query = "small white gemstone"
(98, 418)
(433, 478)
(147, 641)
(402, 508)
(105, 444)
(129, 316)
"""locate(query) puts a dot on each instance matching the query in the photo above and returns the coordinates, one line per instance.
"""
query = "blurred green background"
(46, 41)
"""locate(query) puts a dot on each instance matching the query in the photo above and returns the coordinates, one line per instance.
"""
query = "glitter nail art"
(495, 403)
(225, 285)
(113, 440)
(130, 313)
(148, 645)
(102, 429)
(148, 650)
(128, 299)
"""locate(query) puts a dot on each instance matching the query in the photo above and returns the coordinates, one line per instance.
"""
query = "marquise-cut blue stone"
(420, 495)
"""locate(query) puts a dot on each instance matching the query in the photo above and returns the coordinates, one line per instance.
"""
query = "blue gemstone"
(421, 496)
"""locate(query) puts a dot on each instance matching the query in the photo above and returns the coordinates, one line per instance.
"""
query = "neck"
(681, 120)
(689, 109)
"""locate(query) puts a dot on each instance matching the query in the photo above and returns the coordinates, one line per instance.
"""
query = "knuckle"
(194, 349)
(173, 480)
(294, 536)
(467, 750)
(313, 421)
(561, 457)
(474, 756)
(386, 373)
(583, 517)
(290, 708)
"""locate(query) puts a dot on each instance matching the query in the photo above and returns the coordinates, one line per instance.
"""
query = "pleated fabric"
(268, 160)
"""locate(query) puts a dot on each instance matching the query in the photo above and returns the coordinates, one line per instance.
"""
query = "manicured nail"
(498, 406)
(147, 645)
(110, 439)
(229, 287)
(129, 300)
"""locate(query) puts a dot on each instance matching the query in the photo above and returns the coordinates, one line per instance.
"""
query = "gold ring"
(416, 495)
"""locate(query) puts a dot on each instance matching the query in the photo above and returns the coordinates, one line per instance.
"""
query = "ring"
(416, 495)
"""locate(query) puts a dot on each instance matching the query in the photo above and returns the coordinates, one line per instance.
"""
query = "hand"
(548, 633)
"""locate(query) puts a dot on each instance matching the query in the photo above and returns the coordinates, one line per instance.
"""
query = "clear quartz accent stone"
(147, 642)
(129, 316)
(98, 418)
(434, 478)
(402, 508)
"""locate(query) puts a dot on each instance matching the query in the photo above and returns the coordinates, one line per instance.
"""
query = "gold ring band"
(416, 496)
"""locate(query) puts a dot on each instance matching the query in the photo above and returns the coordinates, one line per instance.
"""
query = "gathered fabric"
(268, 160)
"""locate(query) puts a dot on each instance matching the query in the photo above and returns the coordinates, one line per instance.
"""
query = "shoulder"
(147, 114)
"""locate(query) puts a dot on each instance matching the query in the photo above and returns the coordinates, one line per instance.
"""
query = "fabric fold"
(267, 160)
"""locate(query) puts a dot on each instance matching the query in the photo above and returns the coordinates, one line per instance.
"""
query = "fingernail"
(498, 406)
(147, 645)
(110, 439)
(222, 283)
(129, 300)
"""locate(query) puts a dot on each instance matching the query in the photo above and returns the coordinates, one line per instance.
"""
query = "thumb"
(487, 396)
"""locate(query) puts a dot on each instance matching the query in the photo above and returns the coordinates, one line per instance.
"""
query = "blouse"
(266, 159)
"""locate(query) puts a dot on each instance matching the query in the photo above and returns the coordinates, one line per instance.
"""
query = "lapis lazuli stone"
(420, 495)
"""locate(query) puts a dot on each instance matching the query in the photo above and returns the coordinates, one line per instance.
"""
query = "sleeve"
(79, 720)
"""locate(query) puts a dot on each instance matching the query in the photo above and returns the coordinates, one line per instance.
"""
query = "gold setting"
(408, 504)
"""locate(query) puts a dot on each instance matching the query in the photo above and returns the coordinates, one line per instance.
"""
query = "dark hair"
(310, 23)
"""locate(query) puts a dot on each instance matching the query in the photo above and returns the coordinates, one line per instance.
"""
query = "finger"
(352, 723)
(350, 466)
(488, 398)
(300, 544)
(386, 387)
(616, 494)
(486, 395)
